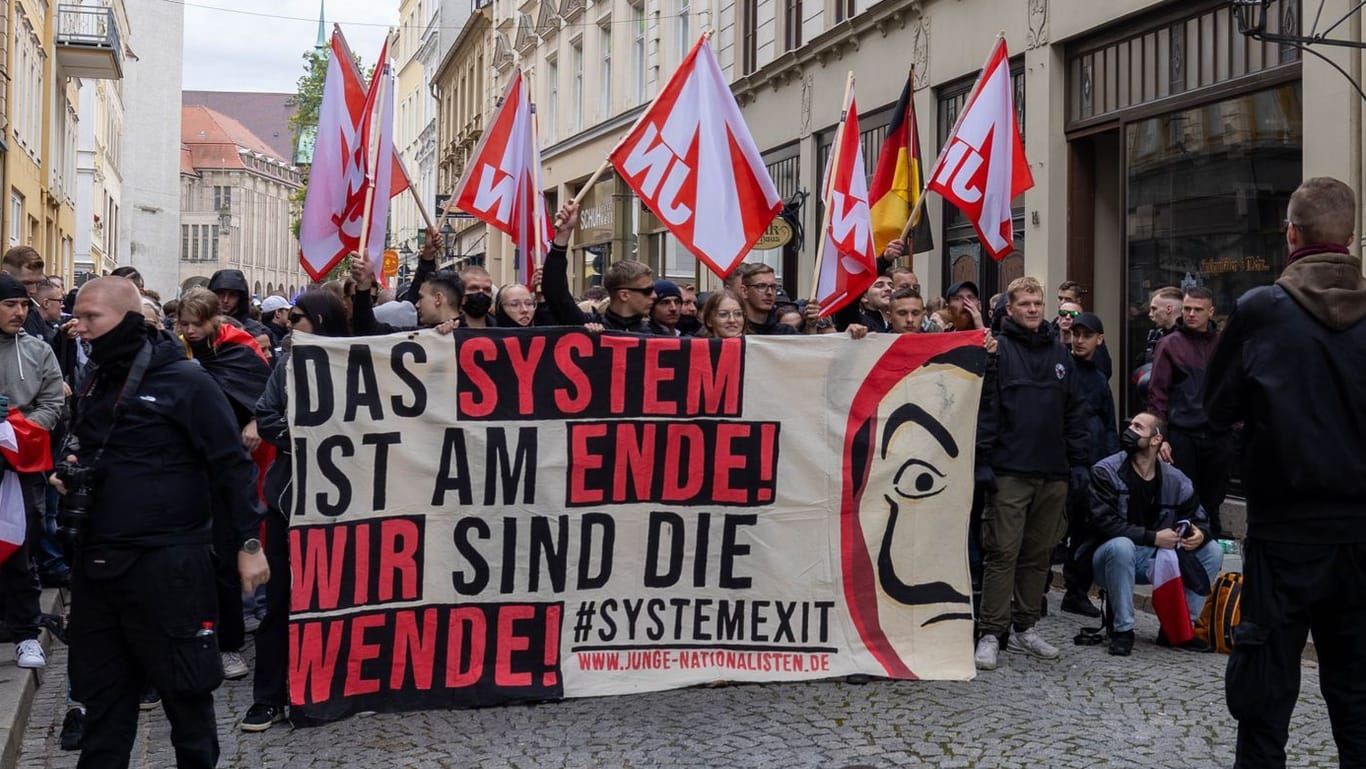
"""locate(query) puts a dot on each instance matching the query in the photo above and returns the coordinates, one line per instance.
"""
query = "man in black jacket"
(1031, 438)
(1289, 367)
(144, 608)
(1138, 504)
(630, 285)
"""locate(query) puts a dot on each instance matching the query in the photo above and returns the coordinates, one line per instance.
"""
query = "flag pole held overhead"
(982, 166)
(828, 184)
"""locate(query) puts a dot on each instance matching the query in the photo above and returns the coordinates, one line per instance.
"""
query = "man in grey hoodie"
(32, 381)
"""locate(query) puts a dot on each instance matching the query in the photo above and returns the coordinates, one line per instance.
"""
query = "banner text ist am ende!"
(493, 517)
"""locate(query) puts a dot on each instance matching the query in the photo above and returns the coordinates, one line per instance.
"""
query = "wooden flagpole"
(920, 204)
(539, 193)
(832, 171)
(373, 152)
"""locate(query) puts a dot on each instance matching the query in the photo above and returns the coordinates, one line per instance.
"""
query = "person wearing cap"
(963, 296)
(275, 317)
(667, 309)
(1088, 334)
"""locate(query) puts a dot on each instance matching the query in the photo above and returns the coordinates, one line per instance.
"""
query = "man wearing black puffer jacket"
(1031, 440)
(235, 299)
(1289, 367)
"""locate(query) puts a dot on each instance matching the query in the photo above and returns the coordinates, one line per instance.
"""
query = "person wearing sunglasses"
(630, 285)
(1067, 312)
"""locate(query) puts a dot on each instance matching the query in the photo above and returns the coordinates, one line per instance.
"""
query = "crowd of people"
(169, 506)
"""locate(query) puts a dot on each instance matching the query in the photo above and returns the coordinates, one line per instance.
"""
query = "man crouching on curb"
(1136, 502)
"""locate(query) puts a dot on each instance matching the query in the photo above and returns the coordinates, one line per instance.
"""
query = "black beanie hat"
(10, 288)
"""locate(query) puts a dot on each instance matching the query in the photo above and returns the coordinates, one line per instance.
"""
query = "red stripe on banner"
(908, 353)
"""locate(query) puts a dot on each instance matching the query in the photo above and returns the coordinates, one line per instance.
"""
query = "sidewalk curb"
(17, 687)
(1143, 601)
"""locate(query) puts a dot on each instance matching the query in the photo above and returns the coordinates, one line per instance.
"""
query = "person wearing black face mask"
(143, 598)
(478, 303)
(1136, 504)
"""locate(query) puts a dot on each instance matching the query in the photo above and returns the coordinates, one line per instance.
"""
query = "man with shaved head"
(144, 605)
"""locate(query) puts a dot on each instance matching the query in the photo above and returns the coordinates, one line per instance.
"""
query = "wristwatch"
(251, 546)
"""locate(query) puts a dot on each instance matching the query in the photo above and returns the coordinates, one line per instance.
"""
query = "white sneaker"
(1030, 642)
(29, 654)
(987, 649)
(234, 667)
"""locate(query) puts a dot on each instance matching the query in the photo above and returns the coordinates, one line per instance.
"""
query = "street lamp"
(448, 238)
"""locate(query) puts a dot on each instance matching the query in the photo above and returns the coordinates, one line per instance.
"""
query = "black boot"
(1122, 643)
(1075, 602)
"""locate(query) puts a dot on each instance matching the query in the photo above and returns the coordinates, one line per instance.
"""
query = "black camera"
(74, 512)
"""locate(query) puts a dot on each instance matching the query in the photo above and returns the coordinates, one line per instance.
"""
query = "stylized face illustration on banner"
(908, 491)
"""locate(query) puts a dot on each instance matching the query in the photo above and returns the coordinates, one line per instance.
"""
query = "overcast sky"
(251, 49)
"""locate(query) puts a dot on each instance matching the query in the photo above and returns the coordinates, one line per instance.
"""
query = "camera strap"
(130, 387)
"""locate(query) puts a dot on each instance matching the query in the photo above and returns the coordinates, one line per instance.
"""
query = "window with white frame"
(683, 26)
(638, 53)
(605, 71)
(16, 217)
(552, 97)
(576, 62)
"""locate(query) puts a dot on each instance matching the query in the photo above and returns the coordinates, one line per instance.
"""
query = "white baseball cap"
(272, 303)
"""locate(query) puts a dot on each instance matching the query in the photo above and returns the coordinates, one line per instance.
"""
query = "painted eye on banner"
(918, 479)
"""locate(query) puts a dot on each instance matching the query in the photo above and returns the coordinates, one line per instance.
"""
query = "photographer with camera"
(144, 606)
(1139, 504)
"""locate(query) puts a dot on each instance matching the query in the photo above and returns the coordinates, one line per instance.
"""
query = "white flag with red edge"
(499, 184)
(334, 203)
(691, 159)
(377, 133)
(982, 166)
(849, 262)
(12, 515)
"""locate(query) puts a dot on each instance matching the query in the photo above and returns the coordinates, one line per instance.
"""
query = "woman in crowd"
(515, 307)
(722, 315)
(316, 311)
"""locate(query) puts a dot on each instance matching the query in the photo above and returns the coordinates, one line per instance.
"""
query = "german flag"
(899, 179)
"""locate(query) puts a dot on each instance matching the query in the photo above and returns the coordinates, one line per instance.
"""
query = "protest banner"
(511, 515)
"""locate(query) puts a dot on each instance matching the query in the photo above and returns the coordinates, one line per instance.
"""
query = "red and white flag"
(849, 263)
(26, 449)
(335, 202)
(983, 166)
(1169, 597)
(377, 133)
(691, 159)
(499, 184)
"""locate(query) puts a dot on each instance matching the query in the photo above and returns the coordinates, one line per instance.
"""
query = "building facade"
(236, 207)
(415, 119)
(149, 234)
(465, 100)
(49, 50)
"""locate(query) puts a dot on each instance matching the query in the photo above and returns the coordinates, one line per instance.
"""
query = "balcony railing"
(88, 43)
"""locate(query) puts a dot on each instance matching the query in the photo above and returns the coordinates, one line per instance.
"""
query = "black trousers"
(1077, 570)
(1289, 591)
(134, 619)
(19, 588)
(269, 687)
(1207, 459)
(232, 629)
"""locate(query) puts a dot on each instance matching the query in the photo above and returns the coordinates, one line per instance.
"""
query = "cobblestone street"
(1158, 708)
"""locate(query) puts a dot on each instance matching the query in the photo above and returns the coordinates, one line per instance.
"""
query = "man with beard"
(143, 599)
(32, 382)
(1031, 439)
(665, 314)
(1139, 504)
